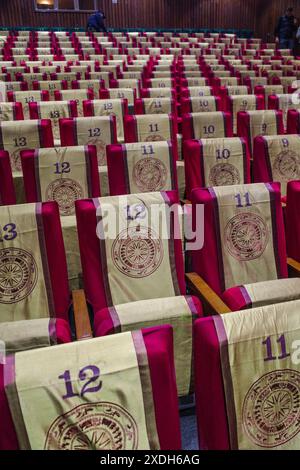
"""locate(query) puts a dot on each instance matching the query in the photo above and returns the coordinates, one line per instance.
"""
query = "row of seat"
(118, 388)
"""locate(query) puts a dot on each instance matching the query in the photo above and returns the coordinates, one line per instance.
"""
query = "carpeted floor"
(189, 429)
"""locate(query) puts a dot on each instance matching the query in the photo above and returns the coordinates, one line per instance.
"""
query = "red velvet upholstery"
(209, 392)
(7, 190)
(293, 220)
(293, 121)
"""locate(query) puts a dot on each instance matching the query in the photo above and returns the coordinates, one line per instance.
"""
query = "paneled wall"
(258, 15)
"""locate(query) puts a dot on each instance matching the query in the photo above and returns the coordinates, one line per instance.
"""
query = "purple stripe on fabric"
(1, 137)
(40, 131)
(11, 392)
(144, 370)
(171, 164)
(74, 130)
(171, 128)
(92, 107)
(170, 215)
(277, 120)
(227, 381)
(224, 124)
(190, 301)
(201, 162)
(9, 370)
(37, 174)
(52, 331)
(243, 143)
(88, 171)
(115, 319)
(125, 168)
(44, 258)
(112, 133)
(274, 229)
(192, 125)
(107, 290)
(136, 137)
(246, 296)
(268, 160)
(249, 135)
(218, 237)
(38, 110)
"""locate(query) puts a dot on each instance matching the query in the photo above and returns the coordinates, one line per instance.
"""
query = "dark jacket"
(285, 28)
(96, 21)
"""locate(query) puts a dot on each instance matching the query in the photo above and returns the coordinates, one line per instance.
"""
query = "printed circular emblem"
(154, 138)
(287, 165)
(93, 426)
(246, 236)
(271, 409)
(18, 275)
(101, 150)
(223, 174)
(137, 251)
(150, 174)
(65, 192)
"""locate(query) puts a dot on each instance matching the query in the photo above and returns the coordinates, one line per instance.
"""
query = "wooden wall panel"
(258, 15)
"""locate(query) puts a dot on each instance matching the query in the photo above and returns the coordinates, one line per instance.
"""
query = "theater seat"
(33, 245)
(95, 130)
(245, 379)
(75, 177)
(206, 125)
(215, 162)
(276, 158)
(22, 135)
(141, 167)
(110, 107)
(25, 335)
(201, 104)
(26, 97)
(150, 128)
(53, 110)
(254, 123)
(244, 245)
(137, 362)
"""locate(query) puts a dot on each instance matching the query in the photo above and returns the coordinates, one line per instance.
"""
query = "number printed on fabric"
(8, 232)
(89, 375)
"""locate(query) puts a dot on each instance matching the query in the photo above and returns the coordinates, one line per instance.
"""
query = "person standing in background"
(96, 22)
(286, 29)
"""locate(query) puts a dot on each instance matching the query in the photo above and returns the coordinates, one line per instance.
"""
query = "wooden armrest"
(293, 267)
(81, 316)
(212, 303)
